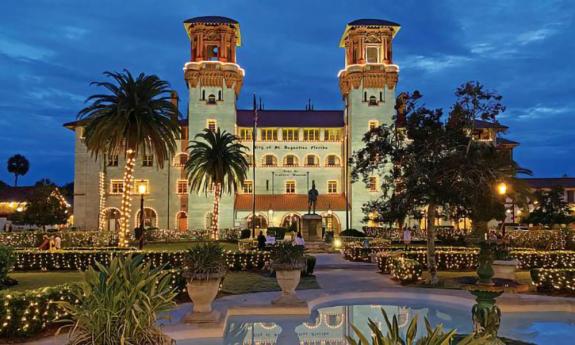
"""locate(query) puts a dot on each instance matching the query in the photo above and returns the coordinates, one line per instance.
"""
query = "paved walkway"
(340, 280)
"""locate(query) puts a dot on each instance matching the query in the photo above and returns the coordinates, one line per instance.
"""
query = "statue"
(312, 195)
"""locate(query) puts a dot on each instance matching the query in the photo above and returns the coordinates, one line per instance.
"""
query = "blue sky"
(51, 50)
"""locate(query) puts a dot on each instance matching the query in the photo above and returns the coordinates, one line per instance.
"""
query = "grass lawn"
(234, 282)
(184, 245)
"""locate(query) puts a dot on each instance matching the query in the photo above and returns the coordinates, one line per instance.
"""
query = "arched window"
(150, 218)
(311, 160)
(372, 100)
(212, 99)
(332, 161)
(220, 95)
(291, 161)
(112, 219)
(260, 222)
(180, 159)
(291, 221)
(269, 161)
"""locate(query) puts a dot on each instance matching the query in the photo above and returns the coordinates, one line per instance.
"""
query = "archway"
(331, 223)
(150, 218)
(182, 221)
(292, 222)
(260, 221)
(112, 219)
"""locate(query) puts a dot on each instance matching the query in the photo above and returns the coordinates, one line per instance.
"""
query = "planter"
(505, 269)
(202, 292)
(288, 280)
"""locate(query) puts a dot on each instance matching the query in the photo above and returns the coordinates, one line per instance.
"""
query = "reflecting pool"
(329, 325)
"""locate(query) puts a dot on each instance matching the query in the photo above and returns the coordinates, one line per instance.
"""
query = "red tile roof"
(289, 202)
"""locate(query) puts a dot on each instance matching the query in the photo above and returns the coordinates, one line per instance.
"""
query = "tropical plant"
(205, 261)
(216, 163)
(135, 116)
(119, 304)
(19, 166)
(287, 257)
(434, 336)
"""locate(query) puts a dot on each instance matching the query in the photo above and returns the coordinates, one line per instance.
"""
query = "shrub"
(352, 233)
(405, 270)
(7, 260)
(287, 257)
(450, 236)
(245, 233)
(205, 261)
(554, 279)
(119, 304)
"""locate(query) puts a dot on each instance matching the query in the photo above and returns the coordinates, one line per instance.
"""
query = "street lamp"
(502, 190)
(142, 189)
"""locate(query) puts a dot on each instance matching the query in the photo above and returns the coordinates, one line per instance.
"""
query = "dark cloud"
(50, 50)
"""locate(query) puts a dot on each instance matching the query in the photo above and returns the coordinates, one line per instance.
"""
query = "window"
(269, 134)
(571, 196)
(180, 159)
(372, 100)
(246, 134)
(147, 160)
(269, 161)
(113, 160)
(311, 134)
(372, 185)
(332, 134)
(182, 187)
(372, 54)
(311, 161)
(290, 187)
(203, 95)
(332, 187)
(116, 186)
(247, 186)
(290, 134)
(290, 161)
(211, 125)
(219, 95)
(332, 161)
(212, 99)
(372, 124)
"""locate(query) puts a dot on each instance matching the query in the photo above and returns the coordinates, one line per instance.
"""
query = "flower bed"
(554, 279)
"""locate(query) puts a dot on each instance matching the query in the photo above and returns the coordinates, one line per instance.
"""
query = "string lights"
(126, 207)
(102, 205)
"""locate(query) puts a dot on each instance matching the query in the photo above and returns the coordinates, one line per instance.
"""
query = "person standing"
(261, 241)
(406, 237)
(57, 242)
(299, 241)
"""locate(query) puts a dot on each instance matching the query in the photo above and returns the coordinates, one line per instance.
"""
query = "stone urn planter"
(288, 263)
(505, 269)
(204, 269)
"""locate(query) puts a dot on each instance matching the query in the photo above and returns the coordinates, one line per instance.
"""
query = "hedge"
(554, 279)
(405, 270)
(448, 260)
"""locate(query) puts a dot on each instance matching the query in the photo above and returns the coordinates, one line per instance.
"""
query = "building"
(293, 148)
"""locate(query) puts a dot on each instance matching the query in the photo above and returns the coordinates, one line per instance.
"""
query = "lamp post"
(502, 190)
(142, 189)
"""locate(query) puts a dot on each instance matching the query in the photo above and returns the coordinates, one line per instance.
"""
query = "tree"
(44, 207)
(216, 163)
(551, 208)
(19, 166)
(429, 164)
(134, 116)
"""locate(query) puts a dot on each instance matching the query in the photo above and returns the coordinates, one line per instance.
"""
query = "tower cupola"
(213, 38)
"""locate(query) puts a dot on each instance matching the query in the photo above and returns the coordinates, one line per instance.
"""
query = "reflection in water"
(330, 325)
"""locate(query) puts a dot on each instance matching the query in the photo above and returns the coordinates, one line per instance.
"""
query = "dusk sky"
(51, 50)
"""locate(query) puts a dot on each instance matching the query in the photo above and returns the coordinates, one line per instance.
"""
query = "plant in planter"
(288, 262)
(504, 266)
(204, 268)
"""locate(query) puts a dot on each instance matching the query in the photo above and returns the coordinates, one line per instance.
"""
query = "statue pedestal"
(311, 227)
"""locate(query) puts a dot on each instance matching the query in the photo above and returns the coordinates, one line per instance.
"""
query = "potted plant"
(204, 268)
(288, 262)
(504, 266)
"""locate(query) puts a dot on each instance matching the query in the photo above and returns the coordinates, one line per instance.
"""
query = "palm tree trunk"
(216, 211)
(431, 263)
(15, 180)
(126, 208)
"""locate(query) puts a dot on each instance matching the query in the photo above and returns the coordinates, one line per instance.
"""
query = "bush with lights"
(405, 270)
(554, 279)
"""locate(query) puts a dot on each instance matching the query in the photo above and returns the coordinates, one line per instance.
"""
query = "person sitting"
(57, 242)
(52, 244)
(299, 241)
(261, 241)
(45, 245)
(270, 239)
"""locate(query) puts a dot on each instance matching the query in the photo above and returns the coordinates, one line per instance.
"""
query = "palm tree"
(135, 116)
(19, 166)
(217, 163)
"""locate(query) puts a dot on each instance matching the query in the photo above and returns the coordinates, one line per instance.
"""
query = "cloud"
(433, 64)
(539, 111)
(74, 32)
(19, 50)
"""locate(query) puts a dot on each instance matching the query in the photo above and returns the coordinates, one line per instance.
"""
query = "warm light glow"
(337, 243)
(20, 209)
(502, 188)
(142, 187)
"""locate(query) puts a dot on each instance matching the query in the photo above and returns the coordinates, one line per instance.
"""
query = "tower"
(214, 81)
(367, 84)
